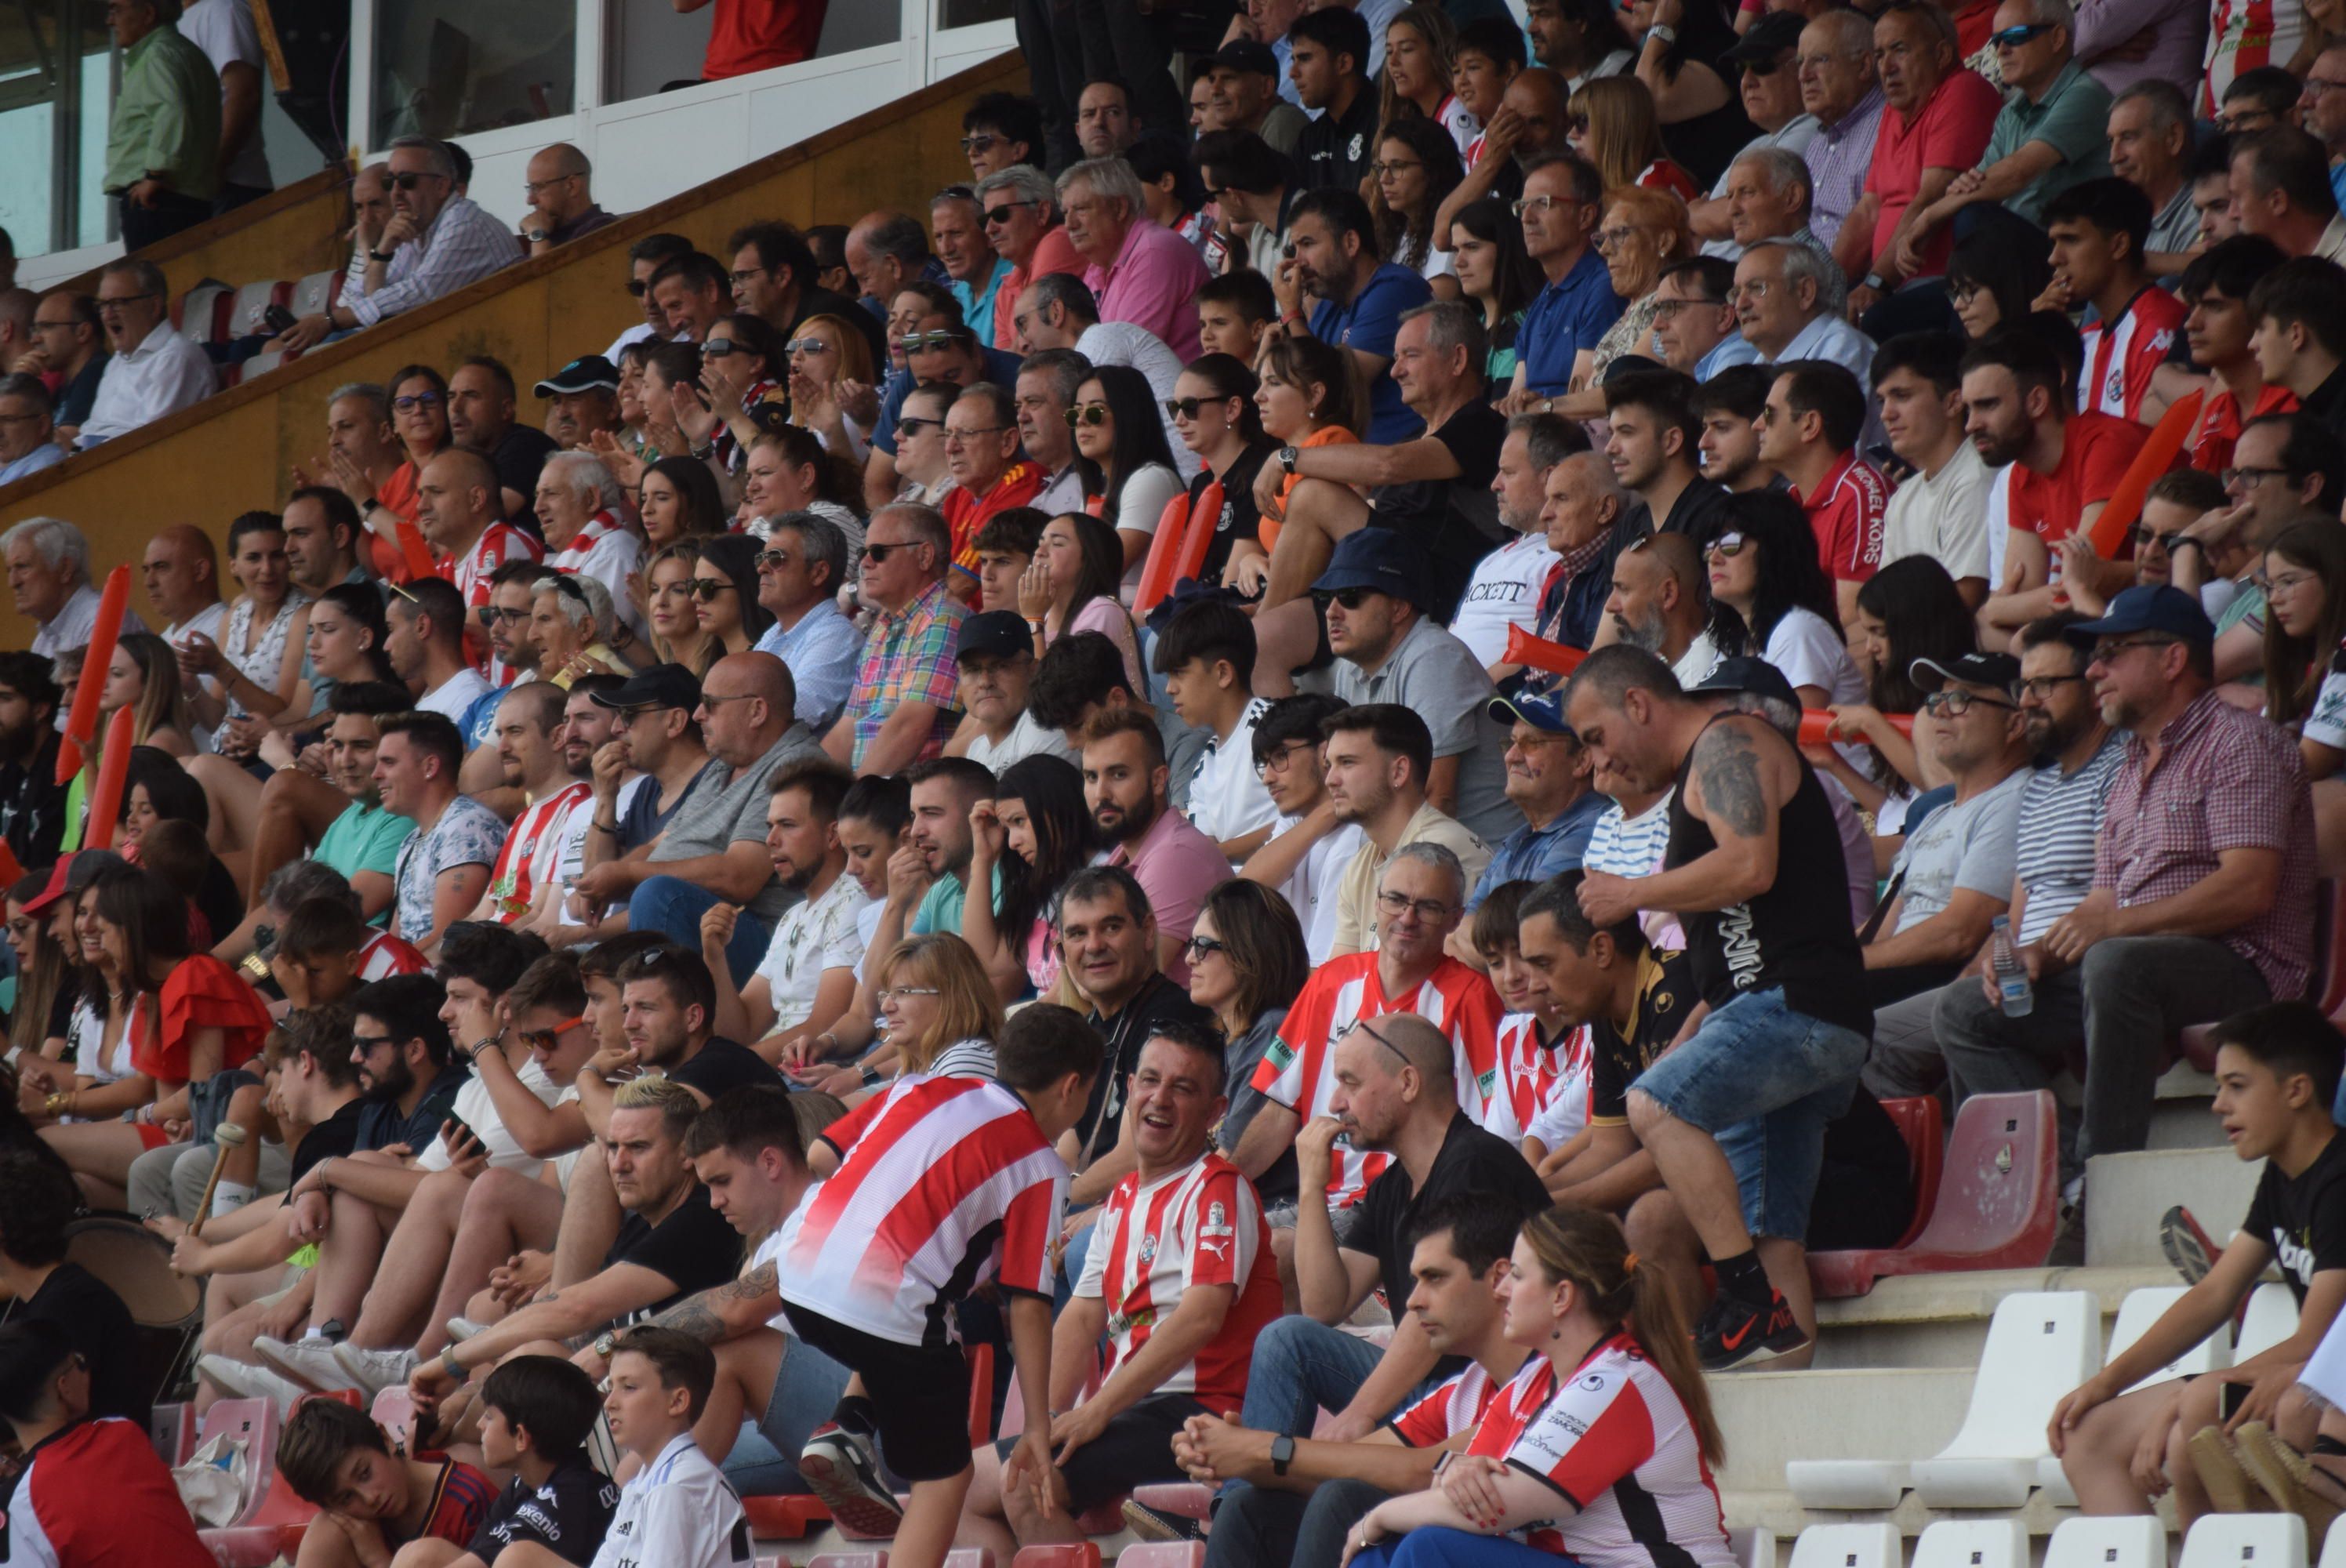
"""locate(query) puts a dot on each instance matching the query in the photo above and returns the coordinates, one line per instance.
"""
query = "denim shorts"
(1764, 1081)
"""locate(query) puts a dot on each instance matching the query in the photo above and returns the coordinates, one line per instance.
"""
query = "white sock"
(229, 1196)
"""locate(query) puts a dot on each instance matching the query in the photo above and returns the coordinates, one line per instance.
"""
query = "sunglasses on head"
(1092, 413)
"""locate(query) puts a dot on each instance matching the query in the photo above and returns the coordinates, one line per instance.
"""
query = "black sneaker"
(1157, 1524)
(2186, 1245)
(2068, 1248)
(1733, 1331)
(845, 1473)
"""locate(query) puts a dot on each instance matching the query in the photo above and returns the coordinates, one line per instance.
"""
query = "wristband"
(1662, 30)
(450, 1365)
(2175, 542)
(472, 1052)
(384, 256)
(610, 828)
(368, 504)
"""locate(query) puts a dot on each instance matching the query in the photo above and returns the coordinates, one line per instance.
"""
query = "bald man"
(1661, 603)
(458, 506)
(1530, 124)
(181, 572)
(713, 850)
(561, 204)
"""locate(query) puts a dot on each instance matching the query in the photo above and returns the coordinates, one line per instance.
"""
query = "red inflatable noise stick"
(1539, 653)
(81, 721)
(1816, 727)
(113, 769)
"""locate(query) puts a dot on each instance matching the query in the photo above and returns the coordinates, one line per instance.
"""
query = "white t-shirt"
(572, 859)
(1026, 739)
(1141, 502)
(813, 937)
(1942, 516)
(476, 1110)
(1504, 592)
(1227, 799)
(679, 1512)
(1810, 651)
(2326, 725)
(1310, 892)
(452, 697)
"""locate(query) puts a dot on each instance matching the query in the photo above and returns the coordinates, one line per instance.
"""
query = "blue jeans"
(1439, 1546)
(1258, 1528)
(1299, 1365)
(1764, 1081)
(765, 1460)
(673, 907)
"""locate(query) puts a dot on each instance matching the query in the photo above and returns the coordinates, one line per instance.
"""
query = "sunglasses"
(795, 346)
(412, 178)
(708, 588)
(2013, 38)
(1197, 947)
(2145, 536)
(905, 427)
(875, 554)
(1091, 413)
(773, 560)
(996, 215)
(1348, 598)
(1954, 703)
(1727, 547)
(718, 348)
(493, 614)
(544, 1039)
(980, 142)
(916, 343)
(1187, 407)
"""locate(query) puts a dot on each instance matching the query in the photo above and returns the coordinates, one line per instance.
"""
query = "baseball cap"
(1245, 54)
(2148, 608)
(1768, 38)
(580, 375)
(71, 874)
(1746, 674)
(1378, 559)
(1544, 713)
(995, 634)
(660, 686)
(1999, 670)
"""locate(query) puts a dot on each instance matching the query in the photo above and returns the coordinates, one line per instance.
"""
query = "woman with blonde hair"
(1420, 58)
(938, 1012)
(826, 355)
(1612, 124)
(144, 676)
(1609, 1407)
(677, 635)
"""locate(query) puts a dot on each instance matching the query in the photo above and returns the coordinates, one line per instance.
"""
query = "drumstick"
(230, 1138)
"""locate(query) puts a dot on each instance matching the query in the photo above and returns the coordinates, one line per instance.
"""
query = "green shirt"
(939, 907)
(364, 839)
(2072, 121)
(167, 117)
(2249, 601)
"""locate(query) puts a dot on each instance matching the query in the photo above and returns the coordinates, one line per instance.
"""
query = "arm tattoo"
(1728, 770)
(699, 1316)
(692, 1316)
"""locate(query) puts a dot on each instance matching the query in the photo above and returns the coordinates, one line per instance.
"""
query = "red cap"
(56, 889)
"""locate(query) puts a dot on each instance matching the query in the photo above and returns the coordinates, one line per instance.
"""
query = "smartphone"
(1288, 250)
(278, 319)
(457, 1133)
(2229, 1400)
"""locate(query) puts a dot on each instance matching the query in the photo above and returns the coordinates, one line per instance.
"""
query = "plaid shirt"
(1838, 157)
(909, 658)
(2225, 779)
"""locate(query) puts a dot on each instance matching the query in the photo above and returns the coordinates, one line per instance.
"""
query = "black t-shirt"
(380, 1126)
(1866, 1190)
(693, 1248)
(1699, 513)
(1665, 992)
(721, 1064)
(1121, 1038)
(2303, 1217)
(1239, 519)
(337, 1135)
(1471, 1161)
(94, 1318)
(215, 899)
(569, 1515)
(521, 453)
(1335, 153)
(1455, 521)
(33, 806)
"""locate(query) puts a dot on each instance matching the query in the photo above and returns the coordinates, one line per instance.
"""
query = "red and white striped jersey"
(1847, 513)
(1199, 1226)
(603, 550)
(499, 542)
(533, 848)
(1447, 1409)
(387, 953)
(1534, 1077)
(2121, 357)
(943, 1183)
(2243, 35)
(1298, 1071)
(1611, 1437)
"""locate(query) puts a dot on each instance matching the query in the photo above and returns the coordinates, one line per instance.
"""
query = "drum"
(135, 1264)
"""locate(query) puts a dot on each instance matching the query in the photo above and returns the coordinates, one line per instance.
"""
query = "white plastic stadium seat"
(1973, 1544)
(2333, 1548)
(2114, 1541)
(1755, 1547)
(2137, 1313)
(2040, 1345)
(1848, 1546)
(2272, 1317)
(2245, 1541)
(312, 294)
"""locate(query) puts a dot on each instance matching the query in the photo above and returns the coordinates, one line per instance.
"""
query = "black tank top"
(1797, 934)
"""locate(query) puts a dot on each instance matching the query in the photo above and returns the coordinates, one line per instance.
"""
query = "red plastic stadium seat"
(394, 1411)
(873, 1559)
(249, 1546)
(1085, 1554)
(1163, 1554)
(1997, 1204)
(1918, 1123)
(1186, 1498)
(784, 1518)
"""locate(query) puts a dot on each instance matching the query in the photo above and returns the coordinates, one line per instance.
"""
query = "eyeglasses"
(2104, 652)
(2042, 686)
(1383, 169)
(1199, 947)
(888, 992)
(1607, 238)
(1425, 908)
(1755, 289)
(1187, 407)
(544, 1039)
(1000, 215)
(710, 699)
(532, 187)
(623, 718)
(2249, 478)
(2317, 86)
(1279, 761)
(493, 615)
(1954, 703)
(121, 300)
(412, 178)
(1092, 413)
(980, 141)
(1727, 547)
(1670, 308)
(411, 402)
(963, 437)
(919, 342)
(2013, 38)
(706, 588)
(1522, 204)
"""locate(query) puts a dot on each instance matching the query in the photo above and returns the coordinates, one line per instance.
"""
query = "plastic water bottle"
(2011, 976)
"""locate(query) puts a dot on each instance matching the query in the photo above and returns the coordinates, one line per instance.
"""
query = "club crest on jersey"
(1148, 1249)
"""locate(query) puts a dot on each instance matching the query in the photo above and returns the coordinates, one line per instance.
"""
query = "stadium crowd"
(1309, 764)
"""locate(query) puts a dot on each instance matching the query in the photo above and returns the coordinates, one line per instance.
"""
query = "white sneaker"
(375, 1370)
(463, 1328)
(243, 1380)
(308, 1362)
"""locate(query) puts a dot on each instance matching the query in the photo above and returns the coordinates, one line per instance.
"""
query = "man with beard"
(1654, 445)
(1660, 603)
(530, 747)
(1505, 589)
(426, 648)
(928, 875)
(806, 982)
(654, 736)
(481, 401)
(1176, 866)
(1940, 511)
(1728, 404)
(512, 593)
(31, 803)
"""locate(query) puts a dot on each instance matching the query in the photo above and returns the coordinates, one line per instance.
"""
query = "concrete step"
(1854, 1414)
(1940, 1320)
(2125, 1194)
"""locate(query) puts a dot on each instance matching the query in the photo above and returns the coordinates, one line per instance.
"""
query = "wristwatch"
(2175, 542)
(1283, 1453)
(604, 1343)
(382, 256)
(1662, 30)
(1876, 281)
(1287, 455)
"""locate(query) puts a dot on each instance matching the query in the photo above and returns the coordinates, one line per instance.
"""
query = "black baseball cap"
(582, 374)
(661, 686)
(2000, 670)
(995, 634)
(1245, 54)
(1768, 38)
(1747, 673)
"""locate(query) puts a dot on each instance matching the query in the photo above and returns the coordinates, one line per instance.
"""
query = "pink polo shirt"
(1154, 285)
(1176, 866)
(1053, 254)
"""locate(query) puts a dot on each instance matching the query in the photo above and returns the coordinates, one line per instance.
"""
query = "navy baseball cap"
(1746, 674)
(1378, 559)
(2000, 670)
(2146, 608)
(580, 375)
(1770, 36)
(660, 686)
(1544, 713)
